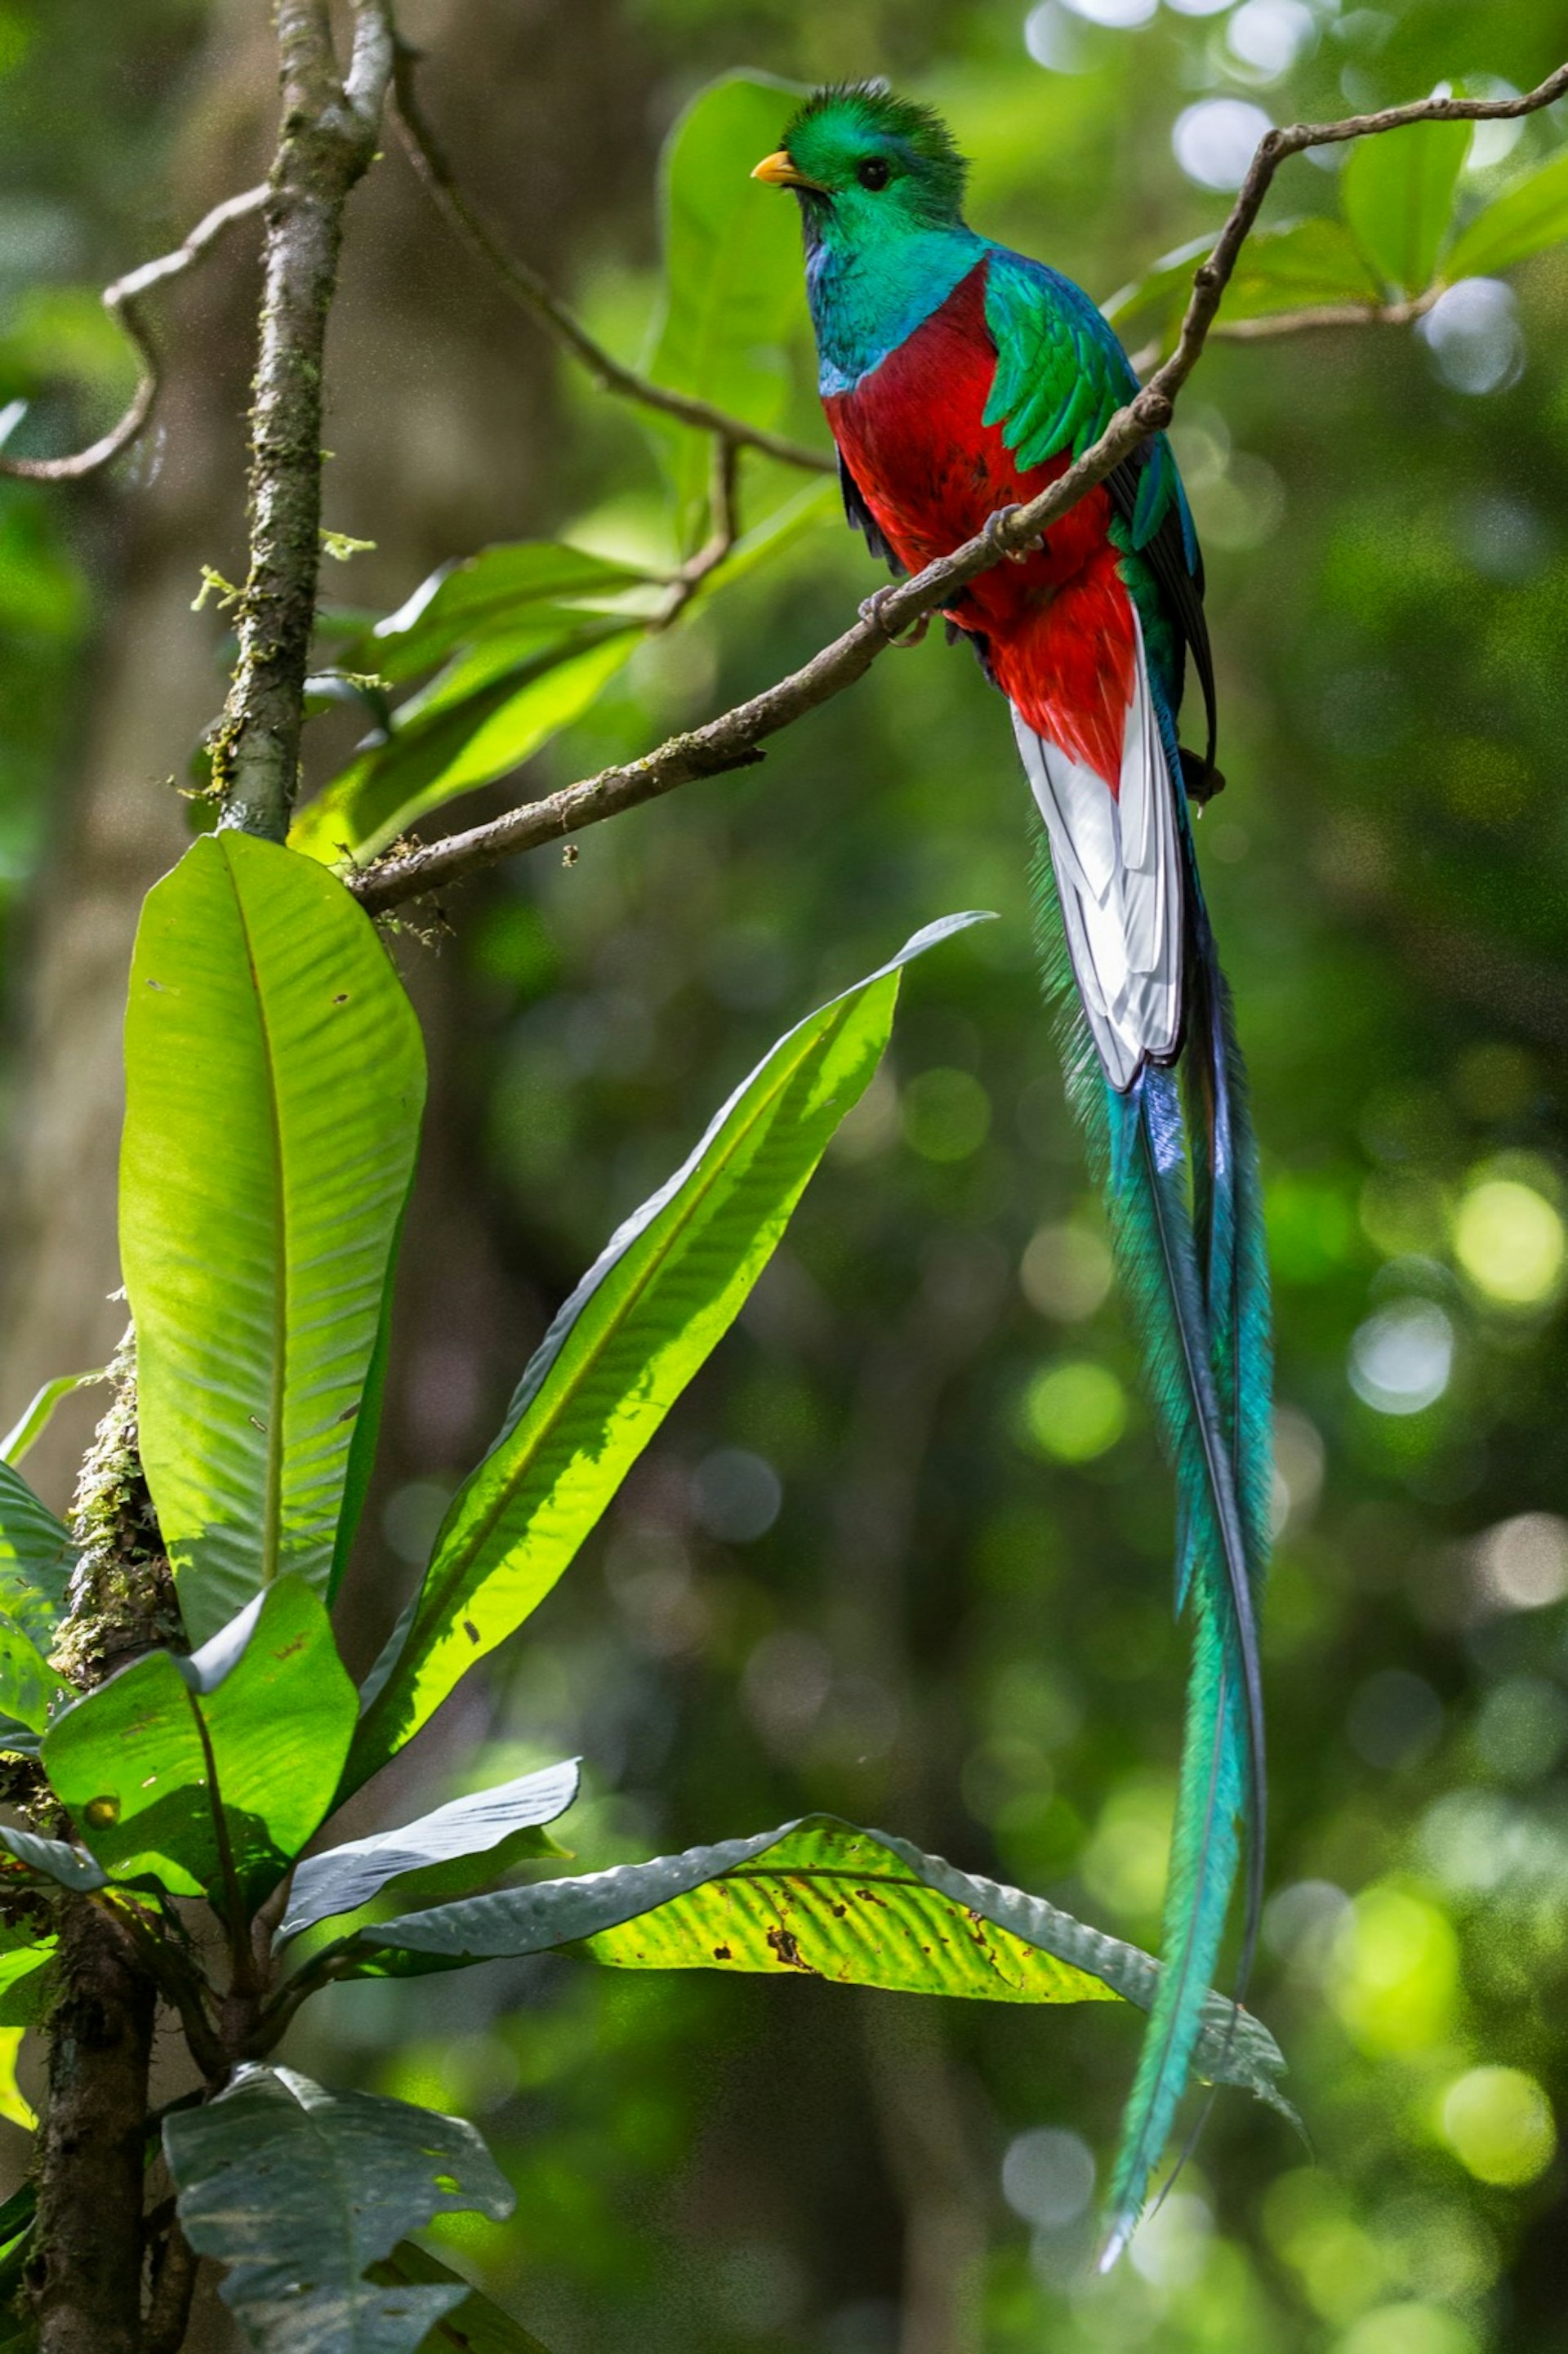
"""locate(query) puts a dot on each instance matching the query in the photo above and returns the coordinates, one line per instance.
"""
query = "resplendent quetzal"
(959, 379)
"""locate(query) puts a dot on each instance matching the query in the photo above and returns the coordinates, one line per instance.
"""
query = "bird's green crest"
(849, 125)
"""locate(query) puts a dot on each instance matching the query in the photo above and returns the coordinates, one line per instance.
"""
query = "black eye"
(873, 173)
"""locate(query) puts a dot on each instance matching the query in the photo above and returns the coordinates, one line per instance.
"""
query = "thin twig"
(1273, 324)
(122, 301)
(725, 531)
(732, 740)
(529, 290)
(329, 136)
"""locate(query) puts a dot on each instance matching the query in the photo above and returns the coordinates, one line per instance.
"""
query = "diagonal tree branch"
(329, 136)
(734, 738)
(544, 306)
(123, 302)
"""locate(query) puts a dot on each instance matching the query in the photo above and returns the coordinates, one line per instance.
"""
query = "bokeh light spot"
(1511, 1242)
(736, 1495)
(946, 1114)
(1395, 1972)
(1413, 2327)
(1474, 335)
(1073, 1412)
(1048, 2177)
(1213, 140)
(1523, 1563)
(1499, 2125)
(1401, 1358)
(1067, 1272)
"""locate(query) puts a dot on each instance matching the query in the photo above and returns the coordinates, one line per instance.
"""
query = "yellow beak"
(779, 172)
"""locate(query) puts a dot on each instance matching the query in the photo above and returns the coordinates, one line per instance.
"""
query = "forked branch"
(122, 301)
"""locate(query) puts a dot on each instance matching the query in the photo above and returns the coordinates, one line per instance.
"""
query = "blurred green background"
(904, 1552)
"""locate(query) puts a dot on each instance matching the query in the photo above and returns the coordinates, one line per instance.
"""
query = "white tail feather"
(1119, 877)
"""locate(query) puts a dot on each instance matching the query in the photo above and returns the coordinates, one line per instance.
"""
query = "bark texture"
(87, 2283)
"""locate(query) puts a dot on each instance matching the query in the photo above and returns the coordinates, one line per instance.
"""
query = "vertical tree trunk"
(86, 2287)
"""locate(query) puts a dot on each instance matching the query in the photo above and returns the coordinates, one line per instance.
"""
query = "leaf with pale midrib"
(648, 1313)
(824, 1900)
(274, 1077)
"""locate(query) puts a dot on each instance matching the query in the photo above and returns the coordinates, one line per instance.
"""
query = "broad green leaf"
(1523, 219)
(297, 2190)
(816, 1899)
(25, 1975)
(525, 583)
(209, 1774)
(28, 1682)
(346, 1877)
(474, 2326)
(40, 1413)
(49, 1858)
(732, 273)
(464, 731)
(274, 1078)
(1303, 265)
(648, 1313)
(1398, 193)
(15, 2107)
(37, 1558)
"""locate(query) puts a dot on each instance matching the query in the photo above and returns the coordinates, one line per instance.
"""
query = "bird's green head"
(868, 166)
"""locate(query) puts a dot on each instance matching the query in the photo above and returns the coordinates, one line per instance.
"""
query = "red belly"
(1059, 626)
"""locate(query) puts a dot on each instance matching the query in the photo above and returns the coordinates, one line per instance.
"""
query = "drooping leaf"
(817, 1899)
(475, 2327)
(297, 2190)
(274, 1078)
(209, 1774)
(1523, 219)
(26, 1679)
(49, 1858)
(526, 584)
(344, 1878)
(36, 1418)
(1398, 193)
(650, 1311)
(732, 273)
(493, 710)
(1305, 265)
(37, 1558)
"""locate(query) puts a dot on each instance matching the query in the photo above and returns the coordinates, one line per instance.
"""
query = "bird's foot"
(873, 611)
(994, 527)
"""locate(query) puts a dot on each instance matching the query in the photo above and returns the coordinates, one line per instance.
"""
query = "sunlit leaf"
(648, 1313)
(1398, 193)
(525, 583)
(474, 2326)
(297, 2190)
(1525, 219)
(25, 1978)
(732, 272)
(274, 1077)
(36, 1420)
(817, 1899)
(210, 1774)
(15, 2107)
(37, 1557)
(344, 1878)
(500, 703)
